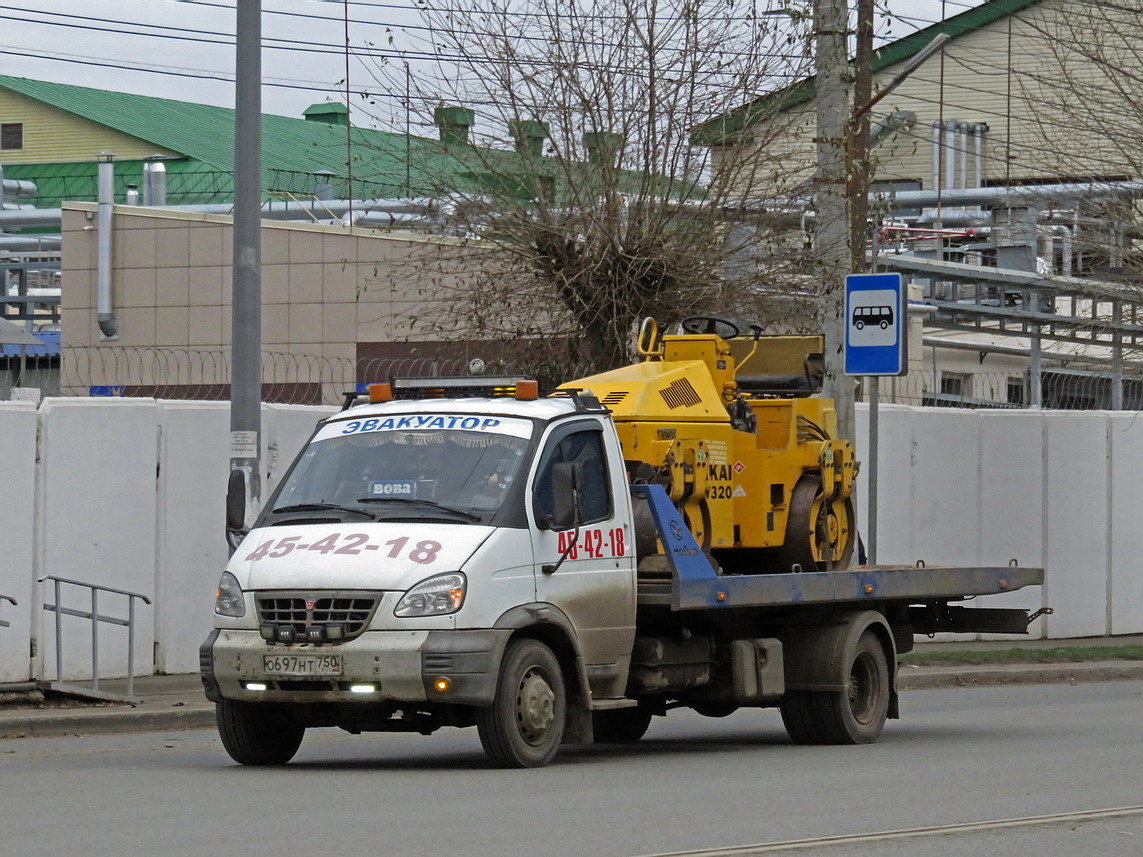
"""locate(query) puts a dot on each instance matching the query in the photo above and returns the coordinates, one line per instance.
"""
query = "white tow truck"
(451, 557)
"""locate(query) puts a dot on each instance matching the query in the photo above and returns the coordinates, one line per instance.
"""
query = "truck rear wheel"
(257, 733)
(620, 725)
(524, 725)
(855, 715)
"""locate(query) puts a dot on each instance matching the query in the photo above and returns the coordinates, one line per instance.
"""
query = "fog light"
(266, 631)
(254, 685)
(442, 685)
(334, 632)
(315, 634)
(363, 688)
(286, 633)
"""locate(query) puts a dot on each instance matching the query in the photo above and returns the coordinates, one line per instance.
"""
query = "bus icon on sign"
(879, 316)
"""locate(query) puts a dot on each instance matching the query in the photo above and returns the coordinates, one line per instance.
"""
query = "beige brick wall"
(325, 289)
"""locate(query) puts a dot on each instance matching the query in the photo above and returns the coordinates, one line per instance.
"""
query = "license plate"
(302, 664)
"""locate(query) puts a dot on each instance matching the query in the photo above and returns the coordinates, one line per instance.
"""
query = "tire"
(524, 725)
(856, 715)
(620, 725)
(811, 529)
(258, 733)
(860, 325)
(798, 717)
(884, 325)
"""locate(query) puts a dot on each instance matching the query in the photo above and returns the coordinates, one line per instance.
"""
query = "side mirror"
(236, 502)
(565, 496)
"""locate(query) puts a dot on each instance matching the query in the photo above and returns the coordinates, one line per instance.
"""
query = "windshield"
(391, 468)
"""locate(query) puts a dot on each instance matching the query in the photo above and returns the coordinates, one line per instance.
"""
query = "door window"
(584, 449)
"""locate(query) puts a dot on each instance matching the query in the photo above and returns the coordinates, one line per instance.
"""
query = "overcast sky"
(183, 49)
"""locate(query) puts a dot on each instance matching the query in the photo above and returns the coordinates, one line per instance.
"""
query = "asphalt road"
(957, 756)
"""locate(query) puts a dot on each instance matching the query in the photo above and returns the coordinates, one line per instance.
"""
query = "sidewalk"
(176, 702)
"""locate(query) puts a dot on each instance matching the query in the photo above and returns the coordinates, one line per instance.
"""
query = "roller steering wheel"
(710, 324)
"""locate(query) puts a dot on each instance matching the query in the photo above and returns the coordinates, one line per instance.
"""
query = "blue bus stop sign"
(876, 325)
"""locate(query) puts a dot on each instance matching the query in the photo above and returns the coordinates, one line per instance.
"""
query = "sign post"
(876, 344)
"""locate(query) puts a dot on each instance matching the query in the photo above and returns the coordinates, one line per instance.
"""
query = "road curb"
(103, 721)
(927, 678)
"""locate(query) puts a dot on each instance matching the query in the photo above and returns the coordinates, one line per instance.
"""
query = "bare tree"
(589, 196)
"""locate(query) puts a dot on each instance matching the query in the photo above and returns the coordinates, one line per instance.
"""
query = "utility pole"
(246, 295)
(831, 233)
(857, 138)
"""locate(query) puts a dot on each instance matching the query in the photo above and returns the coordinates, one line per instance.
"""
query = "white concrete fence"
(128, 493)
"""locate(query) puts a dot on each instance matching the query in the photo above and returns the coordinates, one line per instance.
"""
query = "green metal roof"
(205, 133)
(384, 164)
(722, 129)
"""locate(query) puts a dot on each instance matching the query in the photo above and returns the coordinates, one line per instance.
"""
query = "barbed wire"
(311, 379)
(204, 374)
(1061, 389)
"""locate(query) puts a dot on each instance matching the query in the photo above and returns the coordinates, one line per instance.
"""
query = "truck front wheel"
(524, 725)
(258, 733)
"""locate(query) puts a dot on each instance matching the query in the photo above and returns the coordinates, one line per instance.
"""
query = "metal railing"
(12, 601)
(96, 617)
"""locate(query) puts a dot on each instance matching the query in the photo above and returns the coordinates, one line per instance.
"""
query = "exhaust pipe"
(108, 321)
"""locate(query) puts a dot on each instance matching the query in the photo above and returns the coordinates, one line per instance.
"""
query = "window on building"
(955, 384)
(1015, 391)
(11, 136)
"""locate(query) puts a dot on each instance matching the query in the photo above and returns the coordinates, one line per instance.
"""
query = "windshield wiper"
(323, 507)
(432, 503)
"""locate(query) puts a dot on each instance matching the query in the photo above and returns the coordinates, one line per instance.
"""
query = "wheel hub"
(535, 707)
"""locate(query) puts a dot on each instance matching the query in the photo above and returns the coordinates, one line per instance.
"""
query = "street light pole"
(246, 295)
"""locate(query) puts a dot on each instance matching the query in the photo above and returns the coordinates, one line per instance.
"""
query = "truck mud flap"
(466, 662)
(934, 618)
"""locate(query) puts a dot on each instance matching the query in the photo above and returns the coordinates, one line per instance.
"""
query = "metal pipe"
(950, 157)
(979, 128)
(130, 646)
(108, 323)
(94, 638)
(59, 632)
(1034, 356)
(1117, 358)
(154, 183)
(962, 134)
(39, 242)
(937, 127)
(17, 189)
(273, 209)
(383, 219)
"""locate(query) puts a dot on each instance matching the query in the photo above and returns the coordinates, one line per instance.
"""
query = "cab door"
(594, 585)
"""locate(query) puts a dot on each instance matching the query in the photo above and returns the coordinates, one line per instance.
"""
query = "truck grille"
(351, 610)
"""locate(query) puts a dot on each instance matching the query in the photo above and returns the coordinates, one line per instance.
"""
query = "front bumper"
(404, 665)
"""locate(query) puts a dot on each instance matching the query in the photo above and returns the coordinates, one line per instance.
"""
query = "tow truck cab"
(409, 542)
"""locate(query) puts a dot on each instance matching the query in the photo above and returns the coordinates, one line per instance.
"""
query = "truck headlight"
(229, 601)
(436, 596)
